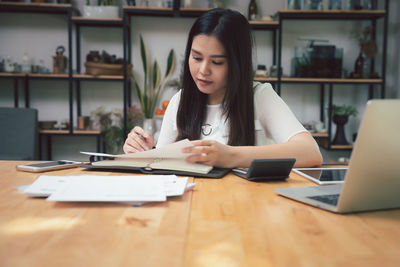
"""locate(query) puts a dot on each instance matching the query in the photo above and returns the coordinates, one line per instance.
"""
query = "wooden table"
(224, 222)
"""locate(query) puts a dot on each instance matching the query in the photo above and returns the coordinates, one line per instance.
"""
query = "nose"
(205, 68)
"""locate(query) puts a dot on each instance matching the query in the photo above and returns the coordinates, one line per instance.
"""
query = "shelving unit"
(124, 23)
(370, 15)
(46, 8)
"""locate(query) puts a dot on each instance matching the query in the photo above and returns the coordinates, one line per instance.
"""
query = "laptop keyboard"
(329, 199)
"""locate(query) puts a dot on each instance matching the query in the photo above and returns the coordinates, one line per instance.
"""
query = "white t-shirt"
(274, 121)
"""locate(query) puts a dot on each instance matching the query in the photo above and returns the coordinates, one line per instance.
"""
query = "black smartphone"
(267, 169)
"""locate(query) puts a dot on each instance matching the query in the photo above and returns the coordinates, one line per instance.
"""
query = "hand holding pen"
(138, 140)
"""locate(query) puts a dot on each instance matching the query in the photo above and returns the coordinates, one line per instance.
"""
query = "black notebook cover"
(214, 173)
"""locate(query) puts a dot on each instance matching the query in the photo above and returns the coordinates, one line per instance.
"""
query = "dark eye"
(196, 58)
(218, 62)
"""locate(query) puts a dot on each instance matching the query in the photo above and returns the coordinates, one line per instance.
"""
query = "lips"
(204, 82)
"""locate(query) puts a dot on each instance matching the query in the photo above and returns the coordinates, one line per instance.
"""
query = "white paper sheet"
(129, 189)
(109, 189)
(45, 185)
(173, 150)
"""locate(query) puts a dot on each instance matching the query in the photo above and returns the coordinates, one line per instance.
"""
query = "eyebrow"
(213, 56)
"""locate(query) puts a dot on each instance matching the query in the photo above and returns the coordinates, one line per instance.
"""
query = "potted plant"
(103, 9)
(112, 126)
(340, 117)
(152, 85)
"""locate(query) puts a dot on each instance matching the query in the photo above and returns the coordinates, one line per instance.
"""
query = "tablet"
(323, 176)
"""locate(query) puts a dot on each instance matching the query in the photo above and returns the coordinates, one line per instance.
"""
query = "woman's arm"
(301, 146)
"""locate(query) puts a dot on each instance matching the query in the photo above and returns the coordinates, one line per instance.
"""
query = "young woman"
(221, 109)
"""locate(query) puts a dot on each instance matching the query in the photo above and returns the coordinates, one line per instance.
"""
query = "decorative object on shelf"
(313, 4)
(47, 125)
(319, 127)
(187, 3)
(348, 5)
(294, 4)
(368, 48)
(131, 2)
(62, 125)
(104, 9)
(9, 65)
(340, 117)
(105, 64)
(152, 83)
(318, 61)
(26, 66)
(2, 65)
(261, 71)
(83, 122)
(93, 56)
(59, 61)
(215, 4)
(335, 4)
(252, 10)
(273, 71)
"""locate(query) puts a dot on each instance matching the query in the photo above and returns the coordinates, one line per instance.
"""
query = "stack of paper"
(94, 188)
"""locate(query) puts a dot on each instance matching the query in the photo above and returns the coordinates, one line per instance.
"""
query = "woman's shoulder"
(261, 89)
(176, 97)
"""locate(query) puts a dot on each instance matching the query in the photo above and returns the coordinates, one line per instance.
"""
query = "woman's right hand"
(138, 140)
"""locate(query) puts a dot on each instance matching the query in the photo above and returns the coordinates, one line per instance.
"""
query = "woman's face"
(209, 67)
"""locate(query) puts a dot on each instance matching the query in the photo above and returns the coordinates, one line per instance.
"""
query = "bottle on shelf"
(253, 11)
(359, 66)
(26, 67)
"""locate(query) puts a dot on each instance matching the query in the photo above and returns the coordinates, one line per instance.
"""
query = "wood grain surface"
(223, 222)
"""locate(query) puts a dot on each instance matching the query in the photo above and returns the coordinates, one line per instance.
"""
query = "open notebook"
(168, 159)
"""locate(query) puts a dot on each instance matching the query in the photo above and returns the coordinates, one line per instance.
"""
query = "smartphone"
(49, 166)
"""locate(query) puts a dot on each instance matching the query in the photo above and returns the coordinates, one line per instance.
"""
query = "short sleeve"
(276, 118)
(169, 130)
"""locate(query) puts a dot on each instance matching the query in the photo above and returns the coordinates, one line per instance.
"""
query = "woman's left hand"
(211, 153)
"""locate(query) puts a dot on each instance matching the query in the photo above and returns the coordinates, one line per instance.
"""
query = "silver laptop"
(372, 181)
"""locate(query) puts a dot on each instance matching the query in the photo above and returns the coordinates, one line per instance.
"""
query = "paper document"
(173, 150)
(128, 189)
(109, 188)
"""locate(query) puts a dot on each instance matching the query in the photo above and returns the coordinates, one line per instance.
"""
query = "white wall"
(41, 34)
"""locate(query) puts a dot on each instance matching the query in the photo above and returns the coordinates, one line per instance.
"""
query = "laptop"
(372, 181)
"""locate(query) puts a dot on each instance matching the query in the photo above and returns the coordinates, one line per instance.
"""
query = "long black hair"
(233, 31)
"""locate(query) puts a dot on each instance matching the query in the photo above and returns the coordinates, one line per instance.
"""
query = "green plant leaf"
(143, 54)
(156, 76)
(139, 94)
(170, 63)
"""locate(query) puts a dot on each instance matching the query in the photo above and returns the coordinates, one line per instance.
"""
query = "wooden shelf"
(98, 77)
(12, 75)
(266, 79)
(55, 132)
(330, 80)
(66, 132)
(148, 11)
(61, 76)
(320, 135)
(192, 12)
(341, 147)
(6, 6)
(264, 24)
(331, 14)
(87, 132)
(47, 76)
(98, 22)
